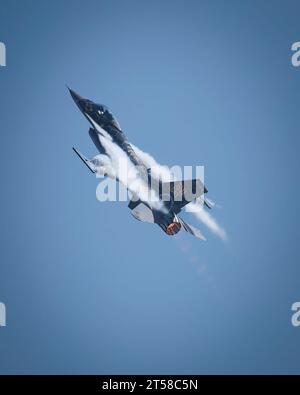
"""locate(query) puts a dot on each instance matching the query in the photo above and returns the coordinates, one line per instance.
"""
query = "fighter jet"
(173, 195)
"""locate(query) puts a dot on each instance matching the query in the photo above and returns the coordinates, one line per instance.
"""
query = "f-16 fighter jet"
(172, 196)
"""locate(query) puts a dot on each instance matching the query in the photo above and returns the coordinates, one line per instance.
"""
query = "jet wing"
(85, 161)
(100, 164)
(191, 229)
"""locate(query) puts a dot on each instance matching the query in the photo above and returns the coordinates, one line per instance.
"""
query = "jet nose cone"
(76, 97)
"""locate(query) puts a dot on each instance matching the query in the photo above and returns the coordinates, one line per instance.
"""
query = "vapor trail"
(197, 209)
(157, 170)
(128, 174)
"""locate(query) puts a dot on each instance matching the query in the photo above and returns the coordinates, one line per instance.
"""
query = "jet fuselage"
(104, 124)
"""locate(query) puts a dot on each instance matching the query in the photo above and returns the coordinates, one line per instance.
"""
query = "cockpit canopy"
(104, 112)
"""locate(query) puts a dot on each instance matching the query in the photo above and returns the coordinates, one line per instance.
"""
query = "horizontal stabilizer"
(208, 203)
(133, 203)
(142, 212)
(192, 230)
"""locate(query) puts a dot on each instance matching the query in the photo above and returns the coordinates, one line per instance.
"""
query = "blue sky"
(87, 288)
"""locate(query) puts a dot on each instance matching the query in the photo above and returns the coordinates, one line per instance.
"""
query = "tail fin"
(183, 192)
